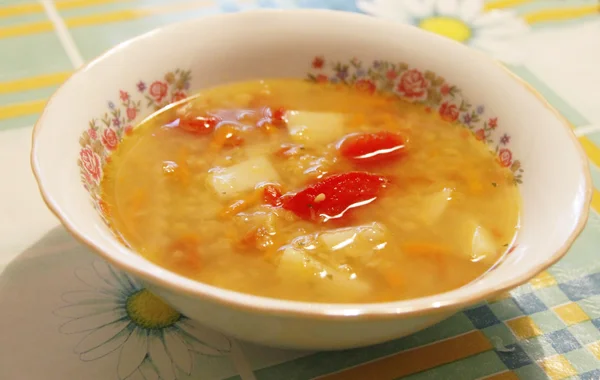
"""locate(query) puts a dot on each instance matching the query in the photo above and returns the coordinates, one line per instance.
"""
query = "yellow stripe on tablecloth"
(418, 359)
(101, 18)
(561, 14)
(557, 367)
(594, 348)
(32, 8)
(498, 4)
(591, 149)
(556, 14)
(22, 109)
(593, 153)
(596, 200)
(105, 18)
(70, 4)
(543, 280)
(132, 14)
(524, 327)
(20, 9)
(571, 313)
(25, 29)
(32, 83)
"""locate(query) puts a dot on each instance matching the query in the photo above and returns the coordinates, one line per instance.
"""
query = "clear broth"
(449, 213)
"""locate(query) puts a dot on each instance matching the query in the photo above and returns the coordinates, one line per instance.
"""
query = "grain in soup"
(311, 192)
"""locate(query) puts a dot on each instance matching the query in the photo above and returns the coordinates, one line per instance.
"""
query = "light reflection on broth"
(312, 192)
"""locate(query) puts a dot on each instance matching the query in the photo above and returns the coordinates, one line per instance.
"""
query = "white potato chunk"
(296, 264)
(231, 181)
(484, 245)
(480, 244)
(314, 128)
(359, 241)
(435, 205)
(338, 239)
(323, 258)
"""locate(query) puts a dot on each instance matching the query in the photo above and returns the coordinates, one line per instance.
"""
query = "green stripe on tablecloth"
(595, 171)
(578, 261)
(595, 138)
(326, 362)
(471, 368)
(32, 55)
(27, 96)
(531, 372)
(110, 7)
(95, 39)
(18, 122)
(552, 97)
(582, 360)
(8, 3)
(16, 20)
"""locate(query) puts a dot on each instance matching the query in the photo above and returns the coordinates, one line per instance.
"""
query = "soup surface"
(312, 192)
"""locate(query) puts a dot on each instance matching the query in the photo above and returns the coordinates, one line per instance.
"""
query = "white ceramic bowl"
(89, 114)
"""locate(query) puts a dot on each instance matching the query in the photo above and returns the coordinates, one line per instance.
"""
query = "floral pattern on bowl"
(422, 87)
(106, 132)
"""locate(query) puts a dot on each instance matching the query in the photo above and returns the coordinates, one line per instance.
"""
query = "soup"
(312, 192)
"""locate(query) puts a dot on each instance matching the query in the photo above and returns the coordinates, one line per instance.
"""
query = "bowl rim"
(327, 311)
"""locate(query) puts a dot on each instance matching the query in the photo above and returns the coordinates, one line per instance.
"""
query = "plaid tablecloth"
(63, 313)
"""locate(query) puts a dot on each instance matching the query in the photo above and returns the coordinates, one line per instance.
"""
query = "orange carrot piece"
(227, 136)
(496, 232)
(437, 253)
(242, 204)
(392, 278)
(250, 241)
(424, 249)
(269, 128)
(272, 194)
(178, 170)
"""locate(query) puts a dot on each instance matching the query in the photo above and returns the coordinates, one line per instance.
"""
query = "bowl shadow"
(473, 343)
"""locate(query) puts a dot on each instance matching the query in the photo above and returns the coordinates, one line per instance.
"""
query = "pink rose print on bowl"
(505, 157)
(158, 90)
(449, 112)
(105, 132)
(109, 139)
(131, 113)
(177, 96)
(90, 163)
(422, 87)
(412, 84)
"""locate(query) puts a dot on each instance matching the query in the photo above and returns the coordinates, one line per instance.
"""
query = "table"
(55, 325)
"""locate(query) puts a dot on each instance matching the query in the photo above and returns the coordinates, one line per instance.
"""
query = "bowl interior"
(100, 104)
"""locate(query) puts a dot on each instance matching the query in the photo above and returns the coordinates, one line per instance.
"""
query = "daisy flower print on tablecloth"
(119, 317)
(465, 21)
